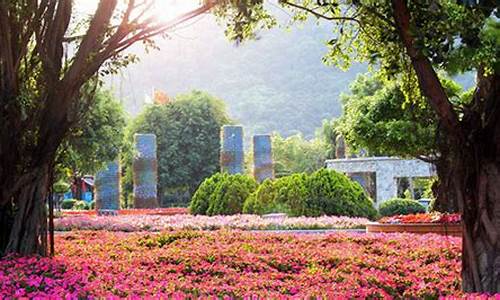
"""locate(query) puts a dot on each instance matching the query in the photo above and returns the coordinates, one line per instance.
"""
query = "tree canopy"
(96, 139)
(188, 140)
(378, 119)
(295, 154)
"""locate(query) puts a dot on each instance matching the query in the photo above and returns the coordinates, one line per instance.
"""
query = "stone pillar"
(145, 168)
(262, 157)
(386, 187)
(107, 189)
(231, 152)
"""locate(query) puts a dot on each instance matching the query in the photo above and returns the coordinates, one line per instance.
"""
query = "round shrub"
(398, 206)
(68, 203)
(332, 193)
(291, 194)
(199, 201)
(262, 200)
(230, 194)
(284, 195)
(80, 205)
(222, 194)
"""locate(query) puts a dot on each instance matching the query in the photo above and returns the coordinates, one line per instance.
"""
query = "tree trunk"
(477, 185)
(24, 218)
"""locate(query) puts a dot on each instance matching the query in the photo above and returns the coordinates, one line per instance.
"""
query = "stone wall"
(387, 170)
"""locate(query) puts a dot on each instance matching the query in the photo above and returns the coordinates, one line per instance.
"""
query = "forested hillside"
(277, 83)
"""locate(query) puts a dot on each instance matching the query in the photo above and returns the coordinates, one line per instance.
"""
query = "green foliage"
(332, 193)
(91, 205)
(187, 133)
(230, 194)
(68, 203)
(323, 192)
(80, 205)
(262, 201)
(398, 206)
(329, 134)
(285, 195)
(222, 194)
(60, 187)
(296, 155)
(291, 193)
(199, 202)
(97, 138)
(378, 118)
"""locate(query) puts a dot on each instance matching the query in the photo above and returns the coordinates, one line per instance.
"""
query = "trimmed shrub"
(222, 194)
(199, 202)
(80, 205)
(263, 200)
(284, 195)
(322, 193)
(332, 193)
(230, 194)
(291, 193)
(68, 203)
(398, 206)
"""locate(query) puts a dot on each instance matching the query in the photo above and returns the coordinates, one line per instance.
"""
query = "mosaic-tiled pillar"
(107, 189)
(231, 152)
(145, 171)
(262, 157)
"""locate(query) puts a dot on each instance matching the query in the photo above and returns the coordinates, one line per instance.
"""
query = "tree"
(188, 141)
(410, 40)
(378, 119)
(95, 140)
(46, 57)
(294, 154)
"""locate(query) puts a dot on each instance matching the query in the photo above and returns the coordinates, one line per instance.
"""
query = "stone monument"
(145, 167)
(231, 152)
(262, 157)
(107, 189)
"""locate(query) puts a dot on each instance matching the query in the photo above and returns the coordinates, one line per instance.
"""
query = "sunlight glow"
(166, 10)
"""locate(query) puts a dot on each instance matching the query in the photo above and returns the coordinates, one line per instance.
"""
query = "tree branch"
(428, 80)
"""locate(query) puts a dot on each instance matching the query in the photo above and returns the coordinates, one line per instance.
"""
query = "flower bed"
(158, 211)
(243, 222)
(444, 224)
(238, 264)
(422, 218)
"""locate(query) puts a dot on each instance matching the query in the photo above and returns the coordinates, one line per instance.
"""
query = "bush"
(263, 200)
(398, 206)
(230, 194)
(222, 194)
(91, 205)
(332, 193)
(199, 202)
(321, 193)
(292, 194)
(80, 205)
(284, 195)
(68, 203)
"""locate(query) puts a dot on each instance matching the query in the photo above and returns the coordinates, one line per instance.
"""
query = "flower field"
(131, 223)
(238, 264)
